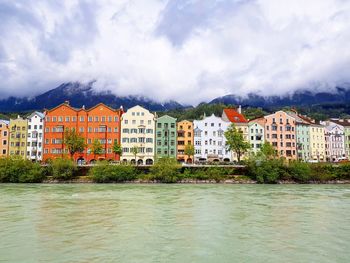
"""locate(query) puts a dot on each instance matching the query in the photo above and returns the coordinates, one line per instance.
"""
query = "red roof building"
(234, 116)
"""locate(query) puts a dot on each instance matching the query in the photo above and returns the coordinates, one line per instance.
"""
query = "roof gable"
(234, 116)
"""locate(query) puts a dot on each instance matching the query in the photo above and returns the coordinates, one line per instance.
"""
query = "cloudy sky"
(186, 50)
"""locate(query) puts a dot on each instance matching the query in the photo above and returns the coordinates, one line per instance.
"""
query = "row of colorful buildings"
(40, 136)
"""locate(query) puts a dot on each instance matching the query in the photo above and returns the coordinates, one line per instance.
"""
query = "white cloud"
(189, 51)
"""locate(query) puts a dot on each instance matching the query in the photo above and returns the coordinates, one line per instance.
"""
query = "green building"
(303, 140)
(166, 137)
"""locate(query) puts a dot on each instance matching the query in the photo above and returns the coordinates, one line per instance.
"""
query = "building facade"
(303, 140)
(138, 132)
(35, 136)
(166, 137)
(280, 131)
(97, 123)
(4, 138)
(241, 123)
(335, 141)
(103, 123)
(184, 138)
(18, 130)
(256, 134)
(209, 139)
(317, 142)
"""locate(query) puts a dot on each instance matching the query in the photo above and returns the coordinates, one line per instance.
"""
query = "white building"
(335, 141)
(138, 130)
(35, 136)
(209, 139)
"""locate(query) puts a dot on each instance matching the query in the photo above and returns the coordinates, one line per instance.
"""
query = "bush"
(62, 169)
(322, 172)
(18, 170)
(299, 171)
(104, 172)
(342, 171)
(266, 170)
(165, 170)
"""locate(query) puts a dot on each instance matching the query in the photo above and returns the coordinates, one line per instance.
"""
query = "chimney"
(239, 109)
(121, 108)
(83, 107)
(66, 102)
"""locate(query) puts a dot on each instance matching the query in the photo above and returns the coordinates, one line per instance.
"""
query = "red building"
(99, 122)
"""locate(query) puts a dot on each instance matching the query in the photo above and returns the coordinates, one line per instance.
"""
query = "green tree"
(96, 148)
(189, 150)
(74, 141)
(135, 151)
(235, 141)
(268, 151)
(117, 148)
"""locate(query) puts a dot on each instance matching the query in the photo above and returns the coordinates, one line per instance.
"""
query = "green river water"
(174, 223)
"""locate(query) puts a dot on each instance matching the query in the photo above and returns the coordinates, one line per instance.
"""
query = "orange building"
(184, 138)
(4, 138)
(280, 131)
(99, 122)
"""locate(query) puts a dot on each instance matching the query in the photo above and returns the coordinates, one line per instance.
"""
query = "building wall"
(303, 141)
(138, 130)
(4, 138)
(280, 131)
(347, 139)
(100, 122)
(166, 137)
(209, 139)
(35, 136)
(103, 124)
(256, 134)
(18, 137)
(184, 137)
(317, 142)
(335, 141)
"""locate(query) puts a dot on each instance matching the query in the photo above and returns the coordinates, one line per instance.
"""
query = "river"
(174, 223)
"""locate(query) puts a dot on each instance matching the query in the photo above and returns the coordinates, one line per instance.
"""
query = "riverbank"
(268, 171)
(236, 180)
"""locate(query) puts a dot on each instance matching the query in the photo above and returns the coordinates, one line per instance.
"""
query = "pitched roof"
(341, 122)
(234, 116)
(5, 121)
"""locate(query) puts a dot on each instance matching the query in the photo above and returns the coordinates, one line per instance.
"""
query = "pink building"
(280, 131)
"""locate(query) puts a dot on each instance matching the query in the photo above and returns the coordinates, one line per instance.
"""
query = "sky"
(184, 50)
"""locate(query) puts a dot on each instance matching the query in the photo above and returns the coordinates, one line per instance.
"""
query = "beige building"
(184, 138)
(4, 138)
(138, 131)
(18, 137)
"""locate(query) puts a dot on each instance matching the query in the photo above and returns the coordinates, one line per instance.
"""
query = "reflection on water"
(174, 223)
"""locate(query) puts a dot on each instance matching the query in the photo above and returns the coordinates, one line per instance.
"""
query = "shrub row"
(274, 170)
(165, 170)
(17, 170)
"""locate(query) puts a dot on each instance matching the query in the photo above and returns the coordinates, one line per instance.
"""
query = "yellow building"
(18, 137)
(184, 138)
(317, 142)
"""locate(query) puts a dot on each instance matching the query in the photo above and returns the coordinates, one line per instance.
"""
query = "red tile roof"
(234, 116)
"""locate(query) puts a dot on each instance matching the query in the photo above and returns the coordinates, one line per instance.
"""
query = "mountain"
(78, 95)
(298, 99)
